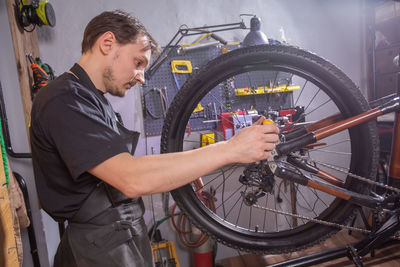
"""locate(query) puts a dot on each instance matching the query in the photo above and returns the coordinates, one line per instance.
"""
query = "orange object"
(40, 77)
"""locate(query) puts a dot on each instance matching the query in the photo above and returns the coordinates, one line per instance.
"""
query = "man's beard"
(109, 82)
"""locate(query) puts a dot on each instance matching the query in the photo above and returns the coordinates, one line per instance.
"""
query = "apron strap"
(96, 202)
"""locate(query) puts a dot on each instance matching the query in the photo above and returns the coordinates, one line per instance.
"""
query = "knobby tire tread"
(185, 95)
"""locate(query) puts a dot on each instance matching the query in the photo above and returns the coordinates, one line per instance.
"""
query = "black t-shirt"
(73, 128)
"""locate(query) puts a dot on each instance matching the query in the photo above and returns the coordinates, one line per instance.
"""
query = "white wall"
(330, 28)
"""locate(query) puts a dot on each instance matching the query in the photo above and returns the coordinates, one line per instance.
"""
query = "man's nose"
(139, 77)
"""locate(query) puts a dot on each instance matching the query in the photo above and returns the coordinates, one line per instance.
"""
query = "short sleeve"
(77, 127)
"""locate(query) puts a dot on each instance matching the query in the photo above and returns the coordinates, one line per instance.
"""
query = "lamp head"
(255, 36)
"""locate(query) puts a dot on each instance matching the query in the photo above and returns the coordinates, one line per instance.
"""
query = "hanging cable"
(6, 132)
(163, 100)
(182, 224)
(4, 156)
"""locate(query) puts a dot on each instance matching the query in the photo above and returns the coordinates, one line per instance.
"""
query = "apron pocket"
(106, 237)
(113, 246)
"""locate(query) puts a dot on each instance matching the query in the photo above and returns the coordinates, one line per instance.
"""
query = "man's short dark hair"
(125, 28)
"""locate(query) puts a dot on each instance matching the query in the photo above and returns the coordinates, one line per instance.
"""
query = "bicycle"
(322, 170)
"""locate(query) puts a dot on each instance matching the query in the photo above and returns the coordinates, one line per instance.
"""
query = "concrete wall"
(332, 29)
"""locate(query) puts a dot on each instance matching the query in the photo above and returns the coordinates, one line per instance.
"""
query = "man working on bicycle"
(84, 169)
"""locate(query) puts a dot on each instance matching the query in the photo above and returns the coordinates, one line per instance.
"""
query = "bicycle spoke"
(293, 201)
(230, 175)
(276, 219)
(251, 209)
(223, 192)
(238, 199)
(314, 191)
(292, 98)
(312, 99)
(330, 151)
(302, 89)
(265, 213)
(304, 115)
(310, 208)
(240, 210)
(231, 195)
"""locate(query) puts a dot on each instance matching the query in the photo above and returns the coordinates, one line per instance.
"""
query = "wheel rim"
(231, 212)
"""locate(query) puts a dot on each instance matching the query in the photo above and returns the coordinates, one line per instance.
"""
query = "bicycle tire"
(314, 69)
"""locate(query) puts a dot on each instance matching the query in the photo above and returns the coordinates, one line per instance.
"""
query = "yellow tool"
(198, 108)
(181, 63)
(169, 245)
(268, 121)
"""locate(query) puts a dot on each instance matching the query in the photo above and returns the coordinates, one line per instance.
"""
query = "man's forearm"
(138, 176)
(159, 173)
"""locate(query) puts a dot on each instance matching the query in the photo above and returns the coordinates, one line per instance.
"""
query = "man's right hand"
(253, 143)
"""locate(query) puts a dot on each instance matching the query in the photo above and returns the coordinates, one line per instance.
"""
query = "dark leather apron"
(108, 230)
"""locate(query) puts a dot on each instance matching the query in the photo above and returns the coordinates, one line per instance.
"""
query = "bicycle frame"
(310, 134)
(327, 127)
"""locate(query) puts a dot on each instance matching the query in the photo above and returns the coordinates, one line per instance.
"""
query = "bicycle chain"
(313, 219)
(397, 190)
(397, 236)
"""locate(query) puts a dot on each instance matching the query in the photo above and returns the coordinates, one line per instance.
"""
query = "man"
(84, 171)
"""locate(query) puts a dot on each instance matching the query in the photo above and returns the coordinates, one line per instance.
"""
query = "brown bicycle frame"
(334, 124)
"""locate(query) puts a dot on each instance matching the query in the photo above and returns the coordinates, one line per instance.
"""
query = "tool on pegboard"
(42, 74)
(226, 85)
(266, 90)
(182, 66)
(199, 52)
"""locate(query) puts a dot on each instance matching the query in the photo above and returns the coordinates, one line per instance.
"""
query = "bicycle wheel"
(294, 87)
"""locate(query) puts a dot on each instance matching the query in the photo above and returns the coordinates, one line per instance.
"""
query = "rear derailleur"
(259, 176)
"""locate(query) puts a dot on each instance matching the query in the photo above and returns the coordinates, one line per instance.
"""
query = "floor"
(386, 257)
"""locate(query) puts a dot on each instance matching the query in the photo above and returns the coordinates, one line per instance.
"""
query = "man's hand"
(253, 143)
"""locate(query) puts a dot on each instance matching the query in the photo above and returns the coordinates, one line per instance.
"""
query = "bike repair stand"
(355, 251)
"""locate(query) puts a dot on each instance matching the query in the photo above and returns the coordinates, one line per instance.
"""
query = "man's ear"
(106, 42)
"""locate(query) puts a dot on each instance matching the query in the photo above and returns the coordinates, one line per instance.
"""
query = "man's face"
(127, 66)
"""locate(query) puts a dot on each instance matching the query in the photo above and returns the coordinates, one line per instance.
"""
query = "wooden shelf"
(23, 42)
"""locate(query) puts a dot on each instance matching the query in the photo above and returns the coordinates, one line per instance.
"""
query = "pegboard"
(163, 79)
(221, 99)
